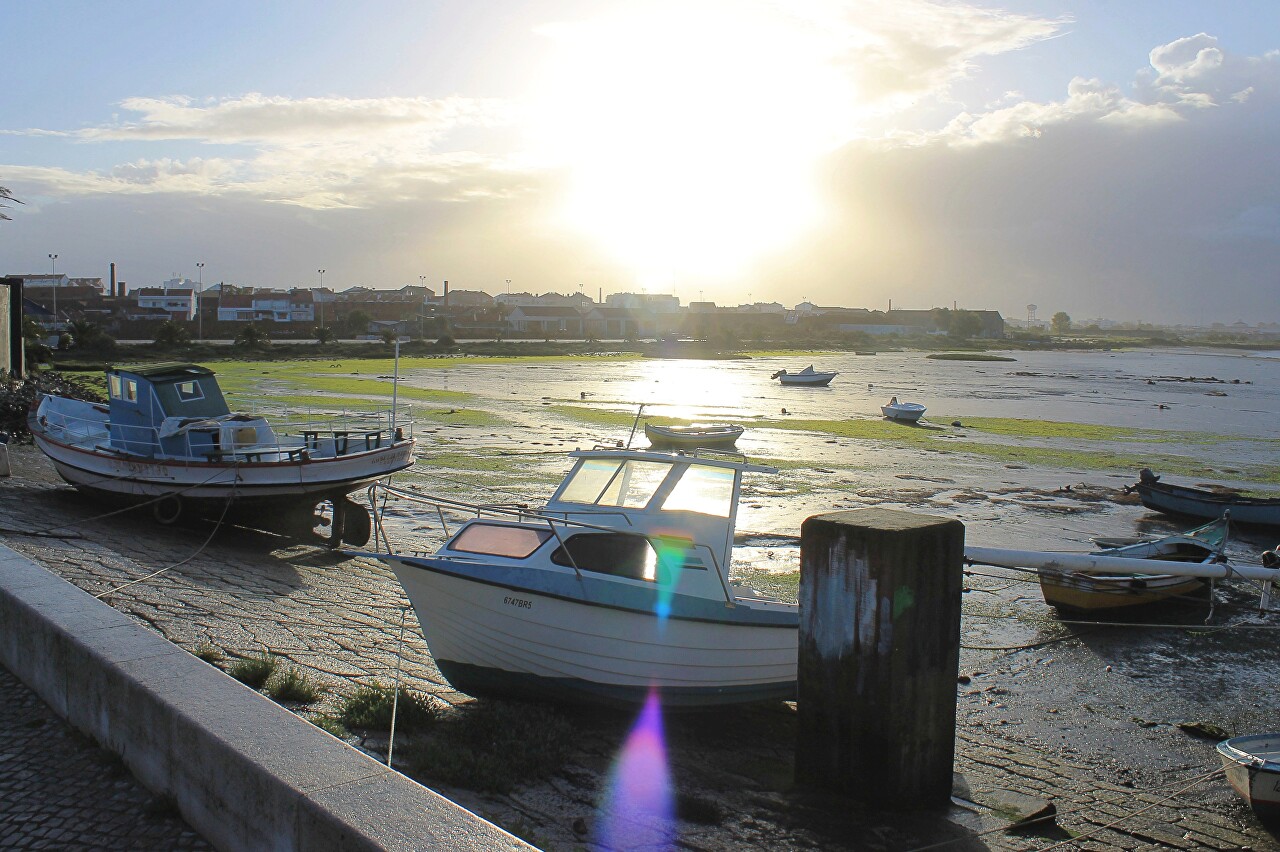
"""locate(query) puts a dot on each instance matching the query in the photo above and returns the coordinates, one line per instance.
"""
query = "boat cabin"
(653, 494)
(150, 405)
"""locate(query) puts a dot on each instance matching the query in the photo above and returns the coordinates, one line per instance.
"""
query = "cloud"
(1158, 202)
(311, 152)
(258, 119)
(897, 53)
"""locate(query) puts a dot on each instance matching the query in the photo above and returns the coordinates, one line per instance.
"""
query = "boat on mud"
(619, 585)
(1252, 766)
(166, 437)
(1146, 572)
(808, 377)
(1103, 591)
(1200, 503)
(712, 437)
(904, 412)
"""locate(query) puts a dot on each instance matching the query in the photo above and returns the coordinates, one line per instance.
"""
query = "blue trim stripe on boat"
(596, 591)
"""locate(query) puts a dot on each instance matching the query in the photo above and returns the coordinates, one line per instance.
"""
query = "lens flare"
(637, 810)
(670, 564)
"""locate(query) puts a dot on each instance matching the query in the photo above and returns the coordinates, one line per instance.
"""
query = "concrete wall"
(245, 772)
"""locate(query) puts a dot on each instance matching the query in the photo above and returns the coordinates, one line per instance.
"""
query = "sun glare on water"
(689, 135)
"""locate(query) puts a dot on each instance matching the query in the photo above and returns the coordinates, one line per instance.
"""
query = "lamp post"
(422, 328)
(199, 290)
(320, 297)
(53, 270)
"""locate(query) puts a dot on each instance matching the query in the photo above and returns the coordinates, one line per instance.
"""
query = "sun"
(689, 136)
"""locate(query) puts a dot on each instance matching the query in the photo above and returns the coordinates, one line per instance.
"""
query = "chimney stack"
(113, 279)
(446, 294)
(122, 289)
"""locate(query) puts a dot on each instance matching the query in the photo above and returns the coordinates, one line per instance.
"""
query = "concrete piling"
(879, 655)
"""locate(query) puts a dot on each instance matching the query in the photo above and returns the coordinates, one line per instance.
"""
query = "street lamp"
(53, 270)
(320, 297)
(422, 322)
(199, 290)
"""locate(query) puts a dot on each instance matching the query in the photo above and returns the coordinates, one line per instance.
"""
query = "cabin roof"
(163, 371)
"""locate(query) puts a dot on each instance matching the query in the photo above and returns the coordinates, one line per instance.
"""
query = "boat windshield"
(704, 489)
(628, 483)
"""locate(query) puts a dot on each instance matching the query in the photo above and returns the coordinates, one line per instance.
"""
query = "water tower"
(1031, 314)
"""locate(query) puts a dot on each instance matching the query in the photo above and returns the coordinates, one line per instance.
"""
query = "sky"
(1106, 159)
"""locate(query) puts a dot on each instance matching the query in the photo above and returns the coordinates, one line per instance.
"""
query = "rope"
(193, 555)
(45, 532)
(395, 697)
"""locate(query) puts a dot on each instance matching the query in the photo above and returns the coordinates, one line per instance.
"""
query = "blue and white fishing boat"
(618, 585)
(168, 438)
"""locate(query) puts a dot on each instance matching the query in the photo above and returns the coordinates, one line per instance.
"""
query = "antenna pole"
(634, 424)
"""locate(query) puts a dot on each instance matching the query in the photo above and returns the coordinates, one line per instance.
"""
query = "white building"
(178, 302)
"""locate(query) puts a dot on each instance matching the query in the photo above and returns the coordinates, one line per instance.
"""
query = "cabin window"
(189, 391)
(131, 390)
(607, 482)
(499, 540)
(114, 382)
(704, 489)
(619, 554)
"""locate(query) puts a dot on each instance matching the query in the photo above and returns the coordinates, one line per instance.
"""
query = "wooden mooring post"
(879, 655)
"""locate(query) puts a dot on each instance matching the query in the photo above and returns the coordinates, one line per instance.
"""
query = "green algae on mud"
(967, 356)
(1035, 450)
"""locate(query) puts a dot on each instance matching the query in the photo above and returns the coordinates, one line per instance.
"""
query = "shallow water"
(1103, 388)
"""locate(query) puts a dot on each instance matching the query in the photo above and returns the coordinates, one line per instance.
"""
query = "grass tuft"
(209, 652)
(370, 707)
(254, 671)
(331, 724)
(294, 685)
(492, 746)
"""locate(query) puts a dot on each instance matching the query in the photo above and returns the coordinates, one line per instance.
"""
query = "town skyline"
(1103, 161)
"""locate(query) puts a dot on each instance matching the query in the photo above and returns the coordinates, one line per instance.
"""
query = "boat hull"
(693, 438)
(1093, 592)
(905, 414)
(1198, 503)
(1252, 766)
(493, 640)
(819, 380)
(302, 481)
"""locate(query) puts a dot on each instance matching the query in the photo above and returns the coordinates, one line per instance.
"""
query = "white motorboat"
(808, 377)
(1252, 766)
(715, 437)
(619, 585)
(167, 437)
(907, 412)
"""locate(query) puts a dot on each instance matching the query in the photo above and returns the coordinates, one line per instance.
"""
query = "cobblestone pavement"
(59, 790)
(338, 618)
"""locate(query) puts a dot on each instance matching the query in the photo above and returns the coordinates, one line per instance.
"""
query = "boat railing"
(521, 514)
(332, 435)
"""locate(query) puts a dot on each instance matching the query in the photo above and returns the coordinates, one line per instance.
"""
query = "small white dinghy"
(905, 412)
(1252, 765)
(808, 377)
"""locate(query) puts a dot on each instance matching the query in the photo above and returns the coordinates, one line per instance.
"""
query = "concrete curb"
(245, 772)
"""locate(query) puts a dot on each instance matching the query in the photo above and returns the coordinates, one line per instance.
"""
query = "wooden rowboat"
(721, 437)
(1210, 505)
